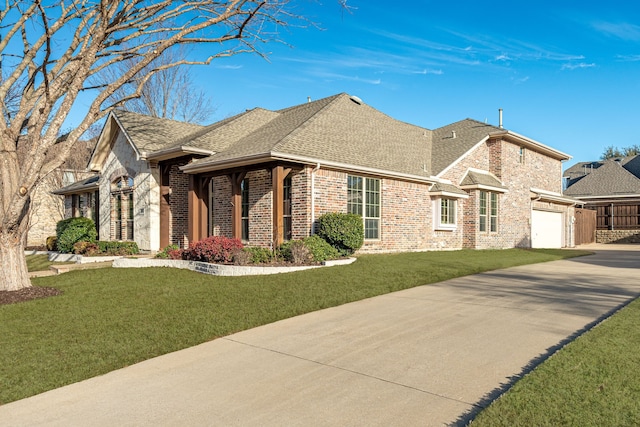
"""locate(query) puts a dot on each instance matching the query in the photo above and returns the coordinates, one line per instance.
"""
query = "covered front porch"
(261, 205)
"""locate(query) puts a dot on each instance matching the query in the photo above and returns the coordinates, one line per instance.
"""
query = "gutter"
(208, 166)
(173, 152)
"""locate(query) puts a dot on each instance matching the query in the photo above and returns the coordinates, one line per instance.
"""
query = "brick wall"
(179, 206)
(514, 216)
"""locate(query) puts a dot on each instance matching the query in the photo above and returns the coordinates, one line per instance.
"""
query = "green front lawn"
(593, 381)
(40, 262)
(110, 318)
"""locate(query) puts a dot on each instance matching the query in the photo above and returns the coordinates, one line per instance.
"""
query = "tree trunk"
(13, 263)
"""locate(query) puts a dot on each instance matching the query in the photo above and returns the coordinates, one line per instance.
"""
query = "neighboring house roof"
(83, 186)
(609, 179)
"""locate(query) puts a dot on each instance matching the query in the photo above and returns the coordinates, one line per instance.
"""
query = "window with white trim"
(446, 214)
(488, 211)
(363, 198)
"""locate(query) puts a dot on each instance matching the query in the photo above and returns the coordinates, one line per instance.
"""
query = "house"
(611, 188)
(266, 176)
(47, 207)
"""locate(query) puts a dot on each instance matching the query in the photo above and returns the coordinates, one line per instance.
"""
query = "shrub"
(86, 248)
(296, 252)
(213, 249)
(260, 255)
(170, 250)
(342, 231)
(72, 230)
(241, 256)
(51, 243)
(118, 248)
(320, 249)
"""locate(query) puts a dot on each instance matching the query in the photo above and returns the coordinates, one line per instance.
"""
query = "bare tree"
(169, 93)
(51, 49)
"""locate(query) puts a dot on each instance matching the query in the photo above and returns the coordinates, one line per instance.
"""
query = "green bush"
(320, 249)
(344, 232)
(169, 252)
(296, 252)
(51, 243)
(72, 230)
(118, 248)
(260, 255)
(86, 248)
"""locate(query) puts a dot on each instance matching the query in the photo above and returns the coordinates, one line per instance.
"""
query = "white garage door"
(546, 229)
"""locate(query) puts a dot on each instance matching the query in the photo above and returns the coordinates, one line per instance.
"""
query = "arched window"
(122, 208)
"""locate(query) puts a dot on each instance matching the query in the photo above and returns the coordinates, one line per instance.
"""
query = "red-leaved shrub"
(213, 249)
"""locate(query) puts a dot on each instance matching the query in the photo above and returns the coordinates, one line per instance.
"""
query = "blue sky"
(565, 73)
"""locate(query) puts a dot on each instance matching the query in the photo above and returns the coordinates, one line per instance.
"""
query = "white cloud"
(230, 67)
(628, 58)
(574, 66)
(426, 71)
(621, 30)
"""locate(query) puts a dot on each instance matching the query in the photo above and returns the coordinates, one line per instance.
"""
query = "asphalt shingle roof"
(154, 133)
(478, 178)
(609, 179)
(447, 149)
(338, 129)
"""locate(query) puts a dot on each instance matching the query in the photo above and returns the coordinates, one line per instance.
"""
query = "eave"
(550, 196)
(212, 166)
(175, 152)
(532, 144)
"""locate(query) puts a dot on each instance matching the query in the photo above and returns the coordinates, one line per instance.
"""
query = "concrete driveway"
(430, 355)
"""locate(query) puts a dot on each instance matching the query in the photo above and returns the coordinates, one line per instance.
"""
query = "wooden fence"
(585, 226)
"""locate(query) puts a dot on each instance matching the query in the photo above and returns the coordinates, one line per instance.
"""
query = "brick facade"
(503, 159)
(179, 206)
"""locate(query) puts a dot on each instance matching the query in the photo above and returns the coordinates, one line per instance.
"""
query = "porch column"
(197, 208)
(278, 175)
(165, 208)
(236, 203)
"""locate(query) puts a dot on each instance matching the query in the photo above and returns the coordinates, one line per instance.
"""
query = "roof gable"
(451, 142)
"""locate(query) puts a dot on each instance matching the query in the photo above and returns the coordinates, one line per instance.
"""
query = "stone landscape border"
(219, 269)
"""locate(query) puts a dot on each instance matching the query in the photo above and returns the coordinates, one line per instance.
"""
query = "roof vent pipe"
(453, 134)
(500, 117)
(308, 99)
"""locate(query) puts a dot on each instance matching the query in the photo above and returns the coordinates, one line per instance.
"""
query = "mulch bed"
(27, 294)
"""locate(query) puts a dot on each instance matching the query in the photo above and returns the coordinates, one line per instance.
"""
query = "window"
(363, 198)
(122, 208)
(244, 190)
(494, 213)
(522, 154)
(488, 210)
(286, 209)
(446, 220)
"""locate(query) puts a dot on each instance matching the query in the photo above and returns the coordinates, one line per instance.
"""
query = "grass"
(40, 262)
(593, 381)
(110, 318)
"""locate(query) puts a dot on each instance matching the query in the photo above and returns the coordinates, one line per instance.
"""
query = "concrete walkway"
(430, 355)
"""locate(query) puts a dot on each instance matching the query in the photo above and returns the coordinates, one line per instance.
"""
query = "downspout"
(313, 197)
